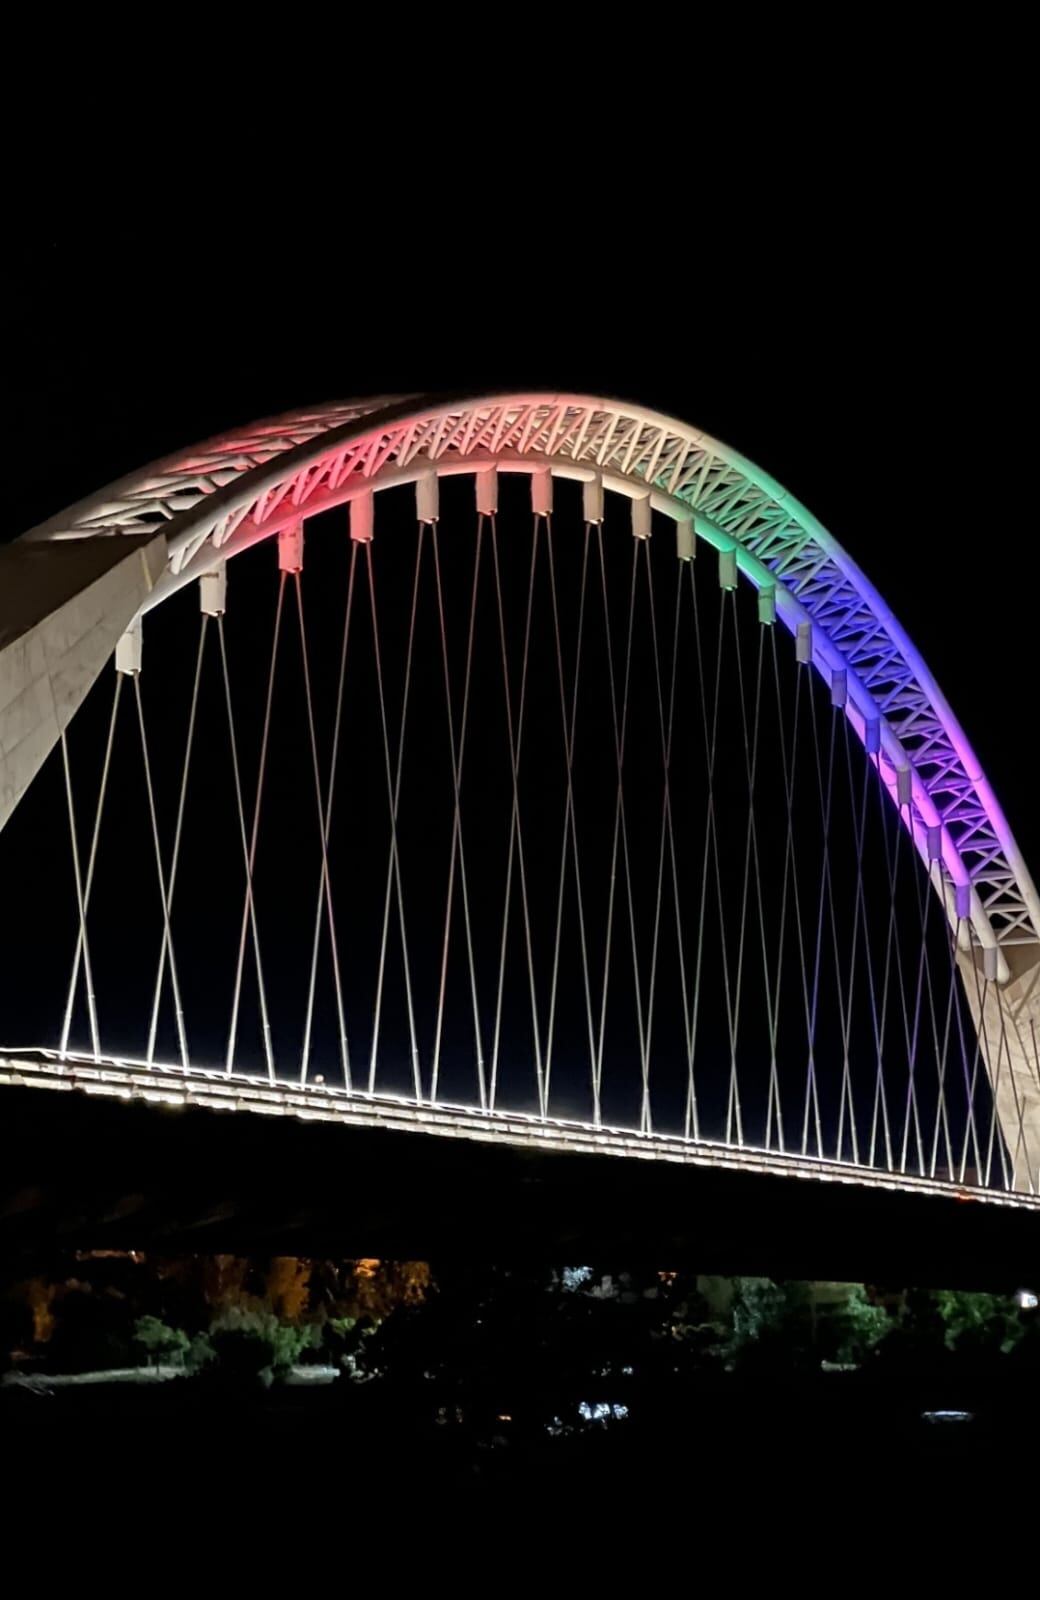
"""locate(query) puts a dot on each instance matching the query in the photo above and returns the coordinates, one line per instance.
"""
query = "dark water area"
(727, 1487)
(809, 1463)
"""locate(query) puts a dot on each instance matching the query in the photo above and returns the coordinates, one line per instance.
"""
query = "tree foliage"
(789, 1325)
(249, 1343)
(976, 1323)
(161, 1343)
(288, 1287)
(93, 1332)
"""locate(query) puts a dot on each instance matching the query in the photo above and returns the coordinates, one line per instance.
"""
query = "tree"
(288, 1287)
(250, 1345)
(373, 1288)
(783, 1325)
(224, 1280)
(201, 1352)
(341, 1337)
(92, 1333)
(161, 1343)
(40, 1294)
(762, 1323)
(850, 1331)
(978, 1324)
(16, 1328)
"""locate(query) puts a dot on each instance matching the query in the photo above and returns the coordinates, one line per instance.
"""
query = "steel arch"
(221, 497)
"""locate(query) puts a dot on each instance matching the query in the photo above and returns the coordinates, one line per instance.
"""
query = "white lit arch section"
(218, 499)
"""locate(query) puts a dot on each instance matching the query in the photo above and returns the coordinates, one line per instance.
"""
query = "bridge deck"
(218, 1091)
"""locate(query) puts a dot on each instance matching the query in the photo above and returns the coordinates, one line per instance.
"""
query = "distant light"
(574, 1277)
(1027, 1300)
(600, 1411)
(948, 1416)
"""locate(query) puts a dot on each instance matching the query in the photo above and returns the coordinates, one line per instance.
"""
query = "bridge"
(583, 797)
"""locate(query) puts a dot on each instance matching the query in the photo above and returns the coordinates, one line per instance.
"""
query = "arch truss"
(221, 498)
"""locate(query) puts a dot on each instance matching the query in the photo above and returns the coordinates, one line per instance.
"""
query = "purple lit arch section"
(218, 499)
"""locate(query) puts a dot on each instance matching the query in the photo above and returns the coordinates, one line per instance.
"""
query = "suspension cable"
(570, 834)
(859, 826)
(249, 843)
(620, 727)
(81, 903)
(188, 744)
(751, 853)
(734, 1110)
(944, 1058)
(859, 822)
(892, 945)
(710, 731)
(824, 791)
(325, 885)
(457, 854)
(789, 768)
(82, 954)
(924, 897)
(844, 999)
(326, 826)
(393, 787)
(971, 1132)
(912, 1111)
(515, 831)
(163, 894)
(665, 725)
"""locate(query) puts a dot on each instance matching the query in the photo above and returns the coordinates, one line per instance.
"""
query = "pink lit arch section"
(218, 499)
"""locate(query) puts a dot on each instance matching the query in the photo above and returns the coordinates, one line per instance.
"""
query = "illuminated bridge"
(546, 776)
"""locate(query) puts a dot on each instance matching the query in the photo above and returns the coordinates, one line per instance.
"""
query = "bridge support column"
(63, 606)
(1007, 1017)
